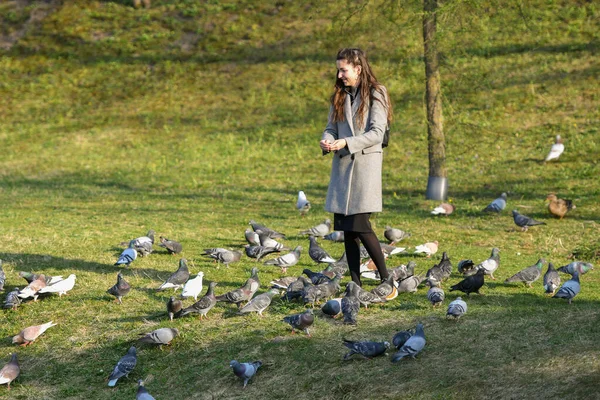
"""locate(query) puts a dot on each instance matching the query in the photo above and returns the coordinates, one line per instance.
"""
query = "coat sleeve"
(375, 127)
(331, 132)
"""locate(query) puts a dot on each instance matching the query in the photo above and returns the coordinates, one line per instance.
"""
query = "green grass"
(192, 118)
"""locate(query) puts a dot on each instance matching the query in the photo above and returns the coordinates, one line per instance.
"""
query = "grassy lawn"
(191, 118)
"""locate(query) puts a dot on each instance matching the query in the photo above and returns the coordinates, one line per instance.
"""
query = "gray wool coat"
(355, 181)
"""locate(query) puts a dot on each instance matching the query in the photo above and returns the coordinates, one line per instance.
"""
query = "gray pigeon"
(174, 307)
(340, 267)
(551, 279)
(365, 298)
(223, 255)
(12, 300)
(317, 253)
(269, 242)
(441, 271)
(490, 265)
(142, 393)
(120, 289)
(524, 222)
(329, 289)
(569, 289)
(204, 305)
(400, 338)
(295, 289)
(579, 266)
(529, 274)
(128, 255)
(159, 336)
(10, 371)
(413, 345)
(402, 272)
(387, 289)
(319, 230)
(435, 294)
(497, 205)
(366, 349)
(261, 228)
(260, 303)
(319, 277)
(301, 321)
(125, 365)
(332, 307)
(456, 308)
(283, 283)
(335, 236)
(395, 235)
(244, 293)
(410, 285)
(172, 246)
(246, 370)
(252, 237)
(258, 252)
(350, 304)
(286, 260)
(2, 277)
(177, 278)
(143, 244)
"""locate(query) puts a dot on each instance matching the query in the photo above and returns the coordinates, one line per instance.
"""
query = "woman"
(359, 115)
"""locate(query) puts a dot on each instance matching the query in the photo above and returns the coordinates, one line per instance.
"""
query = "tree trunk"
(433, 96)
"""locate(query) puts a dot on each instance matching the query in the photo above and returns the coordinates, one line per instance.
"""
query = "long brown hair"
(366, 84)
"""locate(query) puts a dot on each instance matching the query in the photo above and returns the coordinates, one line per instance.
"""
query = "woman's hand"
(325, 145)
(337, 145)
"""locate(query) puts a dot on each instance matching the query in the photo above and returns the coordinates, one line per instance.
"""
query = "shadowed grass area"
(191, 118)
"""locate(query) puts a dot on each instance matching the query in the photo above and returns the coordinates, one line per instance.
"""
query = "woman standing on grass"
(359, 115)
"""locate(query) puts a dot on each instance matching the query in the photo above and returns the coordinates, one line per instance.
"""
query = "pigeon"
(245, 371)
(30, 277)
(413, 346)
(12, 300)
(177, 278)
(335, 236)
(223, 255)
(524, 222)
(350, 304)
(286, 260)
(400, 338)
(490, 265)
(529, 274)
(318, 277)
(332, 307)
(174, 307)
(466, 267)
(29, 334)
(143, 244)
(302, 205)
(317, 253)
(60, 287)
(457, 308)
(395, 235)
(193, 287)
(428, 248)
(283, 283)
(365, 348)
(272, 233)
(569, 289)
(435, 294)
(390, 250)
(128, 255)
(252, 237)
(204, 305)
(369, 268)
(471, 284)
(259, 251)
(410, 285)
(301, 321)
(295, 289)
(33, 288)
(319, 230)
(142, 393)
(559, 207)
(259, 303)
(120, 289)
(244, 293)
(579, 266)
(386, 290)
(365, 297)
(340, 267)
(124, 366)
(159, 336)
(268, 242)
(310, 293)
(329, 289)
(444, 209)
(551, 280)
(441, 271)
(556, 150)
(497, 205)
(2, 277)
(172, 246)
(10, 371)
(403, 271)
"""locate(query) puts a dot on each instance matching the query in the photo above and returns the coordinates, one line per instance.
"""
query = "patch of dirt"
(37, 14)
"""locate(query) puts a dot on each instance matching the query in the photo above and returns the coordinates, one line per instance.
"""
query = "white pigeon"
(303, 205)
(428, 248)
(457, 308)
(557, 149)
(61, 287)
(193, 287)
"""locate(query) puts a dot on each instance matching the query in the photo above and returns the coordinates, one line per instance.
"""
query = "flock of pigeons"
(315, 287)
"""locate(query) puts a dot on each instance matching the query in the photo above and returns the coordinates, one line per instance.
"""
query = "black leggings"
(352, 242)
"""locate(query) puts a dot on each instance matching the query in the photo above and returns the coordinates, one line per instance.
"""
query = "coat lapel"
(349, 113)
